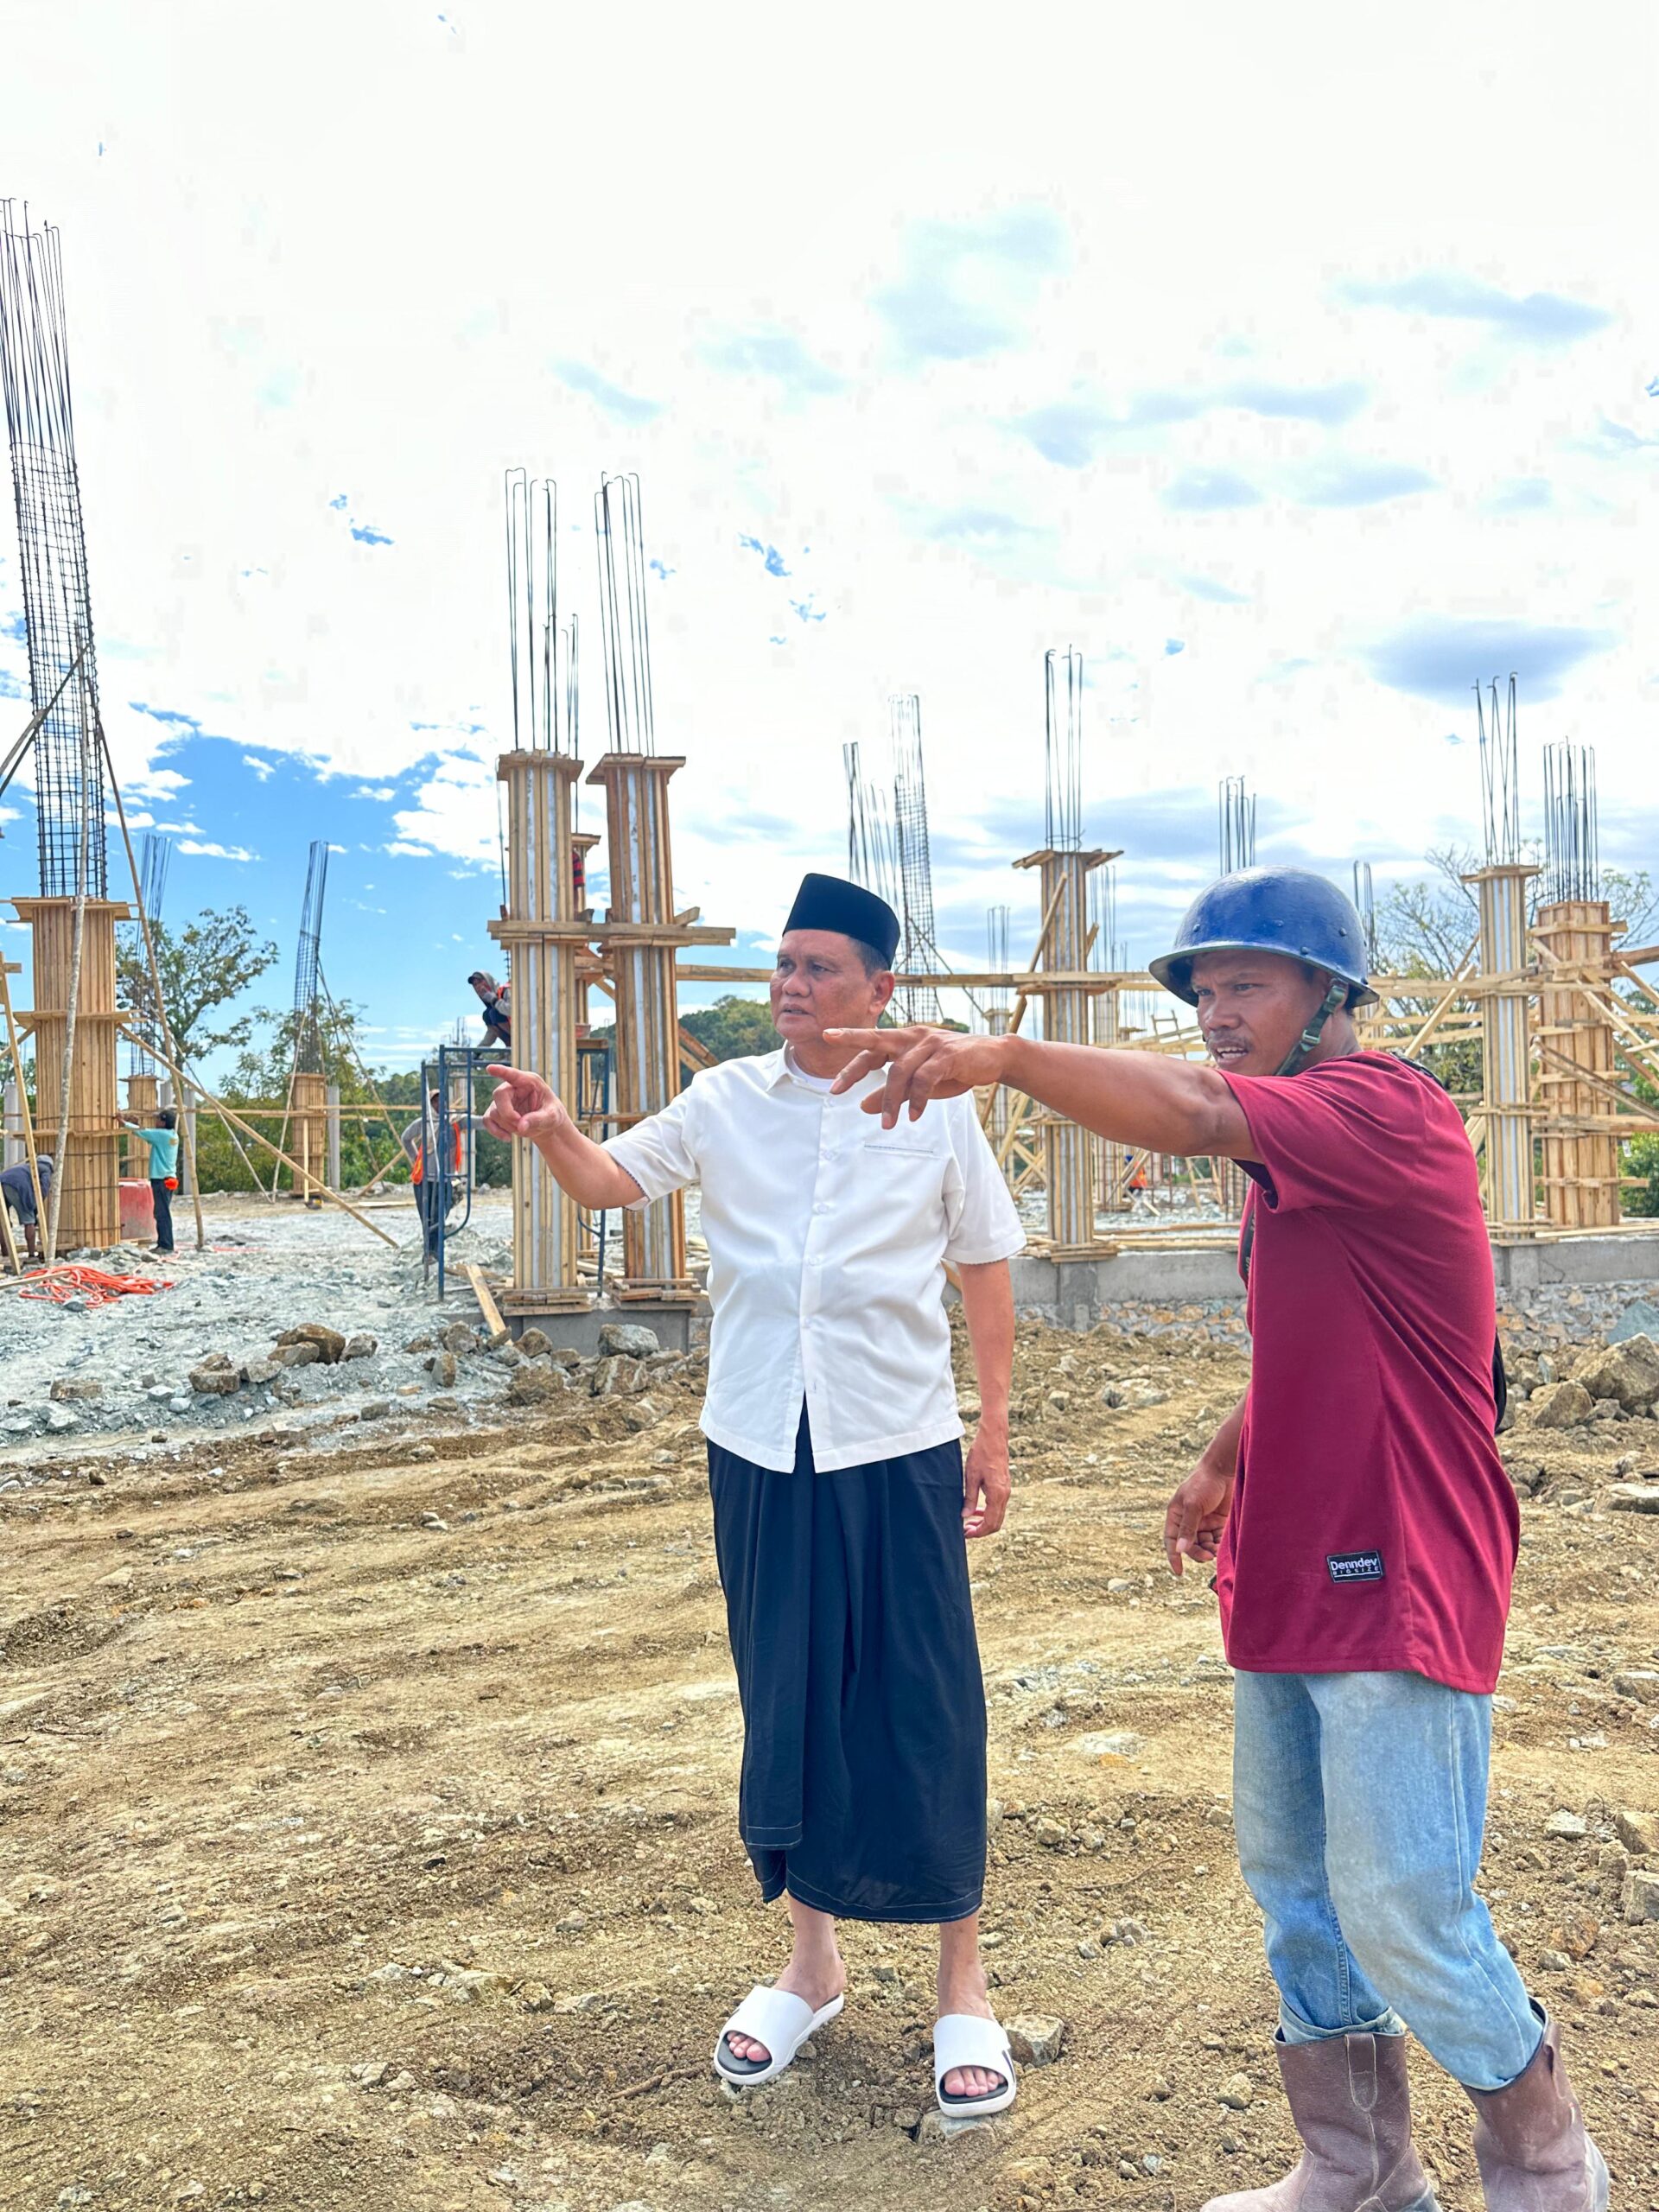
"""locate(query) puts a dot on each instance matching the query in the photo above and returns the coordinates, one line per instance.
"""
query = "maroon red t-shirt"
(1373, 1527)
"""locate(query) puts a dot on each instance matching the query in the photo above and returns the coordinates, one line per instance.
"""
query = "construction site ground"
(367, 1840)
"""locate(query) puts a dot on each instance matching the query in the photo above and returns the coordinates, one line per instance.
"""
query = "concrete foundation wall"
(1078, 1293)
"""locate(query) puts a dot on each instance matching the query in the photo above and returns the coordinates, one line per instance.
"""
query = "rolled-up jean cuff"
(1294, 2029)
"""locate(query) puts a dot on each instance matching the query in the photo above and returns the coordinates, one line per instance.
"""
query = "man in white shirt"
(841, 1498)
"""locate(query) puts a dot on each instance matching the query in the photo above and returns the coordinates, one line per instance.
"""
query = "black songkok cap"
(827, 902)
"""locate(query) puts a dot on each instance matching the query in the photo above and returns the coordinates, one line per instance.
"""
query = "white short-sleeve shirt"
(828, 1237)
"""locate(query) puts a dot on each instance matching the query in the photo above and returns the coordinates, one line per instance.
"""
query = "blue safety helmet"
(1288, 910)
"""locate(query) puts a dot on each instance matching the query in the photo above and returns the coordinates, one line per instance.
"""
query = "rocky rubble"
(1609, 1381)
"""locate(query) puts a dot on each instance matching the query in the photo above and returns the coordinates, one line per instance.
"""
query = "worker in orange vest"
(434, 1177)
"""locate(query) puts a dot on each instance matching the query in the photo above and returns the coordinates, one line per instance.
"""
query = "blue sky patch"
(771, 558)
(1210, 490)
(626, 406)
(1341, 483)
(1536, 318)
(1219, 594)
(366, 534)
(966, 284)
(1442, 658)
(778, 355)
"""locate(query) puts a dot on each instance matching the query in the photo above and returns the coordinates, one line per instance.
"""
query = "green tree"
(204, 966)
(734, 1028)
(257, 1087)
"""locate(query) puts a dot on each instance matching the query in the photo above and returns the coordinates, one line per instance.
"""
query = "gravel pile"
(126, 1370)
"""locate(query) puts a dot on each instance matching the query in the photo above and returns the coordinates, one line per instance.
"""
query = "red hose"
(59, 1285)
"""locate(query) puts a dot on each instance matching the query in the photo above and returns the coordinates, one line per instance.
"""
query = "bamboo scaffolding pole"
(187, 1133)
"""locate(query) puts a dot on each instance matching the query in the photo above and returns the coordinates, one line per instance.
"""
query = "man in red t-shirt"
(1363, 1530)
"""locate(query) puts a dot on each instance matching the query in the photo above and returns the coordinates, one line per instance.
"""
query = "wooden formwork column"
(543, 935)
(1506, 1099)
(1581, 1164)
(640, 936)
(86, 1153)
(308, 1106)
(1111, 1160)
(1069, 1153)
(144, 1100)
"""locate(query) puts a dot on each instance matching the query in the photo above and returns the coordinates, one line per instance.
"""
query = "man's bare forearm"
(987, 1310)
(1221, 1453)
(586, 1170)
(1142, 1099)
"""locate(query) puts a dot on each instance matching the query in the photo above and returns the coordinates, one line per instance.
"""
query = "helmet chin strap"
(1296, 1059)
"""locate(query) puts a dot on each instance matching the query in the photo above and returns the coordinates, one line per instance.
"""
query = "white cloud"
(262, 769)
(943, 548)
(197, 849)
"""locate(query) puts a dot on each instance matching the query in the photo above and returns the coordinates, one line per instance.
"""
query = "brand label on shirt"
(1355, 1566)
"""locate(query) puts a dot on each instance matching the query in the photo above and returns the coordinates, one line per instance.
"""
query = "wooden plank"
(486, 1304)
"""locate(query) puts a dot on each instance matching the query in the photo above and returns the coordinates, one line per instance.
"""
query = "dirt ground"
(366, 1830)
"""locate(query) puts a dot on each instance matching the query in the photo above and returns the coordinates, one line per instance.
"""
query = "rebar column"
(1501, 892)
(334, 1135)
(1069, 1153)
(86, 1153)
(1580, 1163)
(543, 936)
(640, 936)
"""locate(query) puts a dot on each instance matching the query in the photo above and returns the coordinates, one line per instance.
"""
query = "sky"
(1299, 369)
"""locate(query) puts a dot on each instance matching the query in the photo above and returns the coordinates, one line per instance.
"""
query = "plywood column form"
(1506, 1102)
(1581, 1165)
(1069, 1153)
(544, 936)
(87, 1154)
(307, 1103)
(639, 936)
(144, 1101)
(1111, 1160)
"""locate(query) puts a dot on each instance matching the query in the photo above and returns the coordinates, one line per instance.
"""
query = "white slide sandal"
(772, 2017)
(964, 2039)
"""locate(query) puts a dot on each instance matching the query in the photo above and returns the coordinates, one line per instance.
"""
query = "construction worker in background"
(163, 1143)
(17, 1186)
(498, 1013)
(1364, 1531)
(435, 1166)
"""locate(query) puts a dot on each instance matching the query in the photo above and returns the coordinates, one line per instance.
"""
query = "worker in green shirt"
(164, 1142)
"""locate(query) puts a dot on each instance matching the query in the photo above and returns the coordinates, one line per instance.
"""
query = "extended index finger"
(907, 1084)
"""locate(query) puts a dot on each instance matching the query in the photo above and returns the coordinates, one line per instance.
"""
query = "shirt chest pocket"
(903, 1174)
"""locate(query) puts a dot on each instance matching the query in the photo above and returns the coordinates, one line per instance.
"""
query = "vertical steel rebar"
(919, 952)
(52, 554)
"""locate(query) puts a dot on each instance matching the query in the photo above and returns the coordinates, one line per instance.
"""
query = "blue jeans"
(1360, 1802)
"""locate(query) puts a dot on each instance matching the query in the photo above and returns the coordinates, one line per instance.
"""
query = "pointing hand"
(525, 1105)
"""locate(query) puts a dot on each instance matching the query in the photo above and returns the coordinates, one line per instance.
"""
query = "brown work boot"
(1351, 2104)
(1536, 2154)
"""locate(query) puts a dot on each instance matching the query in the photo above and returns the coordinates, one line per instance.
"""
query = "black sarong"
(852, 1630)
